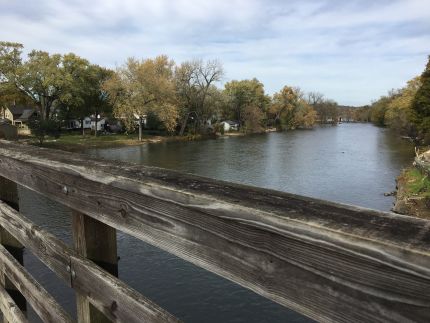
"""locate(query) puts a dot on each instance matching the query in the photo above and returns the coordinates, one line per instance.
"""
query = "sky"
(352, 51)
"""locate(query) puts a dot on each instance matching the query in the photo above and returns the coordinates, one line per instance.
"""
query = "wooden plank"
(9, 194)
(96, 241)
(328, 261)
(113, 295)
(123, 305)
(10, 311)
(42, 302)
(46, 247)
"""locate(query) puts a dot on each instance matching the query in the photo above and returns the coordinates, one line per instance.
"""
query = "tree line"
(406, 110)
(175, 98)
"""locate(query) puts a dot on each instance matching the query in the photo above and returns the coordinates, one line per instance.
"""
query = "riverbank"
(413, 188)
(77, 143)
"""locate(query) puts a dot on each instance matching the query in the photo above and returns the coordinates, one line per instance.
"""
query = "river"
(349, 163)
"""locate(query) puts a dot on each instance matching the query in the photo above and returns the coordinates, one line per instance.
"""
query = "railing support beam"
(9, 194)
(97, 242)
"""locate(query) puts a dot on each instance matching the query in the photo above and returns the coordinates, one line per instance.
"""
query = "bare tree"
(314, 98)
(194, 84)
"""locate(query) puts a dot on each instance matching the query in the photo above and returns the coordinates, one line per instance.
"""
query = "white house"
(76, 123)
(87, 123)
(225, 126)
(229, 125)
(100, 123)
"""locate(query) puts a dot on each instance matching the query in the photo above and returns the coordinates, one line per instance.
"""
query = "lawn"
(416, 184)
(77, 142)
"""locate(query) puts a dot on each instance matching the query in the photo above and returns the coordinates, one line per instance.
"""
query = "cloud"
(353, 51)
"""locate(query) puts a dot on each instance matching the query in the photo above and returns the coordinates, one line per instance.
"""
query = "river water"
(349, 163)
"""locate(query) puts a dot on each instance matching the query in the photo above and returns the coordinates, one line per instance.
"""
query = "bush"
(41, 128)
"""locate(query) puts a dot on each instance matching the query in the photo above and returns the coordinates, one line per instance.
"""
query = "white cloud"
(353, 51)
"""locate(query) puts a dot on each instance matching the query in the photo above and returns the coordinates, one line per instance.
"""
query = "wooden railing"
(330, 262)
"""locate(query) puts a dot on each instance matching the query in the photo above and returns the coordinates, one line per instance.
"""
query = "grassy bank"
(413, 193)
(416, 184)
(76, 142)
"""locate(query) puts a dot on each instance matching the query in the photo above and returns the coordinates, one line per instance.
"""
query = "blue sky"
(353, 51)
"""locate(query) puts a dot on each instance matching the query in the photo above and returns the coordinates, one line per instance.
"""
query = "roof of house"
(18, 109)
(26, 114)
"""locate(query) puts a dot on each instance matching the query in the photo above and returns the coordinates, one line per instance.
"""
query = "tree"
(243, 94)
(143, 86)
(253, 117)
(305, 116)
(40, 77)
(421, 102)
(83, 94)
(95, 98)
(66, 84)
(327, 111)
(10, 95)
(195, 90)
(399, 112)
(379, 108)
(41, 128)
(284, 105)
(314, 98)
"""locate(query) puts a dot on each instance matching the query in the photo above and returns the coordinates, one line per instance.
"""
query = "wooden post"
(97, 242)
(9, 195)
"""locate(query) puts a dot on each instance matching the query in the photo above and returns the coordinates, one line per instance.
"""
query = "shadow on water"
(351, 163)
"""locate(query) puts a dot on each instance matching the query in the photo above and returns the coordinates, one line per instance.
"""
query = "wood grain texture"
(107, 293)
(10, 311)
(331, 262)
(113, 295)
(96, 241)
(42, 302)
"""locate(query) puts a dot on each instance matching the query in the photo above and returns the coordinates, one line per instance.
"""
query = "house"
(18, 114)
(144, 119)
(229, 125)
(225, 126)
(76, 123)
(22, 121)
(101, 123)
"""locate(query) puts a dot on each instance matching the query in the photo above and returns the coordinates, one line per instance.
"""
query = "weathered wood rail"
(330, 262)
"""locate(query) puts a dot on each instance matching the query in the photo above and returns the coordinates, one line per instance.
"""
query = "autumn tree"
(421, 102)
(196, 92)
(379, 107)
(242, 95)
(399, 113)
(284, 106)
(253, 119)
(305, 115)
(140, 87)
